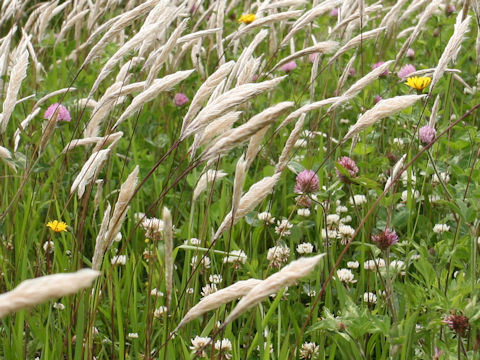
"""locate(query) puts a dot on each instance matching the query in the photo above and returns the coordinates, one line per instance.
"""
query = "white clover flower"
(398, 266)
(59, 306)
(205, 261)
(309, 351)
(405, 180)
(155, 292)
(358, 200)
(353, 264)
(305, 248)
(441, 228)
(332, 234)
(119, 260)
(283, 227)
(415, 195)
(370, 298)
(208, 289)
(193, 242)
(345, 219)
(215, 278)
(132, 335)
(160, 311)
(300, 143)
(398, 142)
(444, 176)
(303, 212)
(333, 219)
(341, 209)
(434, 198)
(278, 255)
(48, 246)
(118, 237)
(266, 217)
(199, 345)
(235, 257)
(153, 227)
(346, 276)
(373, 264)
(223, 347)
(345, 233)
(190, 290)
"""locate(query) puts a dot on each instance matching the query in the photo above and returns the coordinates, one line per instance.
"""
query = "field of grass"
(271, 179)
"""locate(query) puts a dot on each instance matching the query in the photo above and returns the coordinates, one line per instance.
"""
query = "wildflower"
(385, 239)
(353, 264)
(457, 323)
(180, 99)
(410, 53)
(351, 72)
(266, 217)
(153, 227)
(63, 113)
(204, 261)
(345, 233)
(208, 289)
(444, 176)
(223, 347)
(450, 9)
(155, 292)
(283, 227)
(49, 246)
(57, 226)
(132, 335)
(440, 228)
(278, 255)
(309, 351)
(303, 200)
(307, 182)
(426, 134)
(349, 165)
(193, 241)
(303, 212)
(398, 266)
(373, 264)
(333, 219)
(291, 65)
(159, 312)
(334, 12)
(329, 233)
(377, 99)
(199, 345)
(358, 200)
(312, 57)
(215, 278)
(437, 353)
(369, 297)
(59, 306)
(305, 248)
(119, 260)
(378, 64)
(346, 276)
(405, 71)
(235, 257)
(418, 83)
(247, 18)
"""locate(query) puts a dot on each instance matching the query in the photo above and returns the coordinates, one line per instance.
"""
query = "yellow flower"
(247, 18)
(418, 83)
(57, 226)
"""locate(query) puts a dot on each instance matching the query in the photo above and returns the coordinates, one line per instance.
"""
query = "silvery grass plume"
(135, 41)
(36, 64)
(23, 125)
(120, 210)
(381, 110)
(68, 25)
(451, 50)
(279, 4)
(36, 291)
(7, 155)
(310, 16)
(414, 6)
(324, 47)
(217, 299)
(245, 56)
(305, 109)
(160, 55)
(89, 171)
(158, 86)
(430, 71)
(100, 141)
(215, 128)
(4, 52)
(240, 174)
(226, 102)
(100, 244)
(52, 94)
(17, 75)
(48, 129)
(205, 91)
(398, 166)
(346, 72)
(235, 137)
(356, 41)
(287, 276)
(434, 112)
(123, 75)
(426, 14)
(361, 84)
(206, 178)
(254, 145)
(287, 149)
(197, 55)
(390, 18)
(248, 72)
(168, 231)
(254, 196)
(219, 35)
(371, 9)
(274, 18)
(115, 26)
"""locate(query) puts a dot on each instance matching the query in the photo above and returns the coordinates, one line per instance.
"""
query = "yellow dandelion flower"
(247, 18)
(57, 226)
(418, 83)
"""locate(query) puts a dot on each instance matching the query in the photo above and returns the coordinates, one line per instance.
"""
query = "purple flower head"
(307, 182)
(377, 99)
(351, 72)
(437, 353)
(406, 71)
(289, 66)
(334, 12)
(378, 64)
(180, 99)
(312, 57)
(450, 9)
(63, 113)
(457, 323)
(385, 239)
(427, 134)
(349, 165)
(410, 53)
